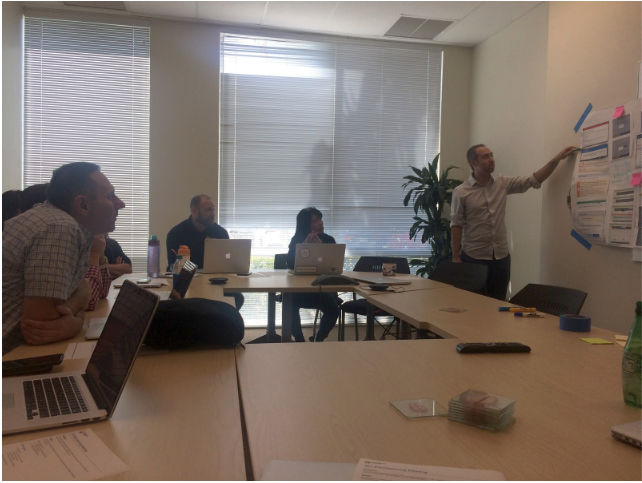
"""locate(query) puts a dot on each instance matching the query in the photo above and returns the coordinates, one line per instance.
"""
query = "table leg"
(370, 322)
(270, 334)
(286, 317)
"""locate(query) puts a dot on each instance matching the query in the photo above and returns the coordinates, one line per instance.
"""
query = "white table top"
(331, 403)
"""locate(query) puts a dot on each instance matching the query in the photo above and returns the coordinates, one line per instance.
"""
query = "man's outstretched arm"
(545, 171)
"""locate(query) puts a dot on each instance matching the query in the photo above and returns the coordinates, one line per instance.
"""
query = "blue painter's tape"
(581, 239)
(583, 118)
(575, 323)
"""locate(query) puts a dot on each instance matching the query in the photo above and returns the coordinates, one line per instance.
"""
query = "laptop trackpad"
(8, 401)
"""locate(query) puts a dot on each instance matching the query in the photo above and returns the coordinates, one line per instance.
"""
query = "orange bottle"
(182, 250)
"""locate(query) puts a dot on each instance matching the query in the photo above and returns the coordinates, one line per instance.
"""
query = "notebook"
(319, 259)
(97, 324)
(60, 399)
(227, 256)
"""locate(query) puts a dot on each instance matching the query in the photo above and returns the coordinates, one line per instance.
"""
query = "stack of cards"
(478, 408)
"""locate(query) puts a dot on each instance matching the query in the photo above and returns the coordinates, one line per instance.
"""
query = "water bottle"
(184, 250)
(632, 362)
(176, 268)
(153, 257)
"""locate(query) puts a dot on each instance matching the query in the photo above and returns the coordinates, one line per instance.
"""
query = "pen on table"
(517, 309)
(528, 314)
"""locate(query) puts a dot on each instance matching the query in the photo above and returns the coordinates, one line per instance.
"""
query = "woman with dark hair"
(309, 229)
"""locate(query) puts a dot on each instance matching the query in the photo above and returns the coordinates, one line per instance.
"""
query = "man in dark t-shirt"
(193, 232)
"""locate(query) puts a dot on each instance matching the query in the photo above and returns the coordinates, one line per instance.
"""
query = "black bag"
(184, 323)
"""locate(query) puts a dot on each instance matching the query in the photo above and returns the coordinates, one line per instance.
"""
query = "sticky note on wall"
(618, 112)
(636, 179)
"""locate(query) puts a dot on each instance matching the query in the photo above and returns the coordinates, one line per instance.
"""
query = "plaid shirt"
(99, 281)
(45, 253)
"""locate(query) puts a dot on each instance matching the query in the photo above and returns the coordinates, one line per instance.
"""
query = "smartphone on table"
(30, 365)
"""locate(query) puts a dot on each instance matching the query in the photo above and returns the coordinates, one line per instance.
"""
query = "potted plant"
(430, 193)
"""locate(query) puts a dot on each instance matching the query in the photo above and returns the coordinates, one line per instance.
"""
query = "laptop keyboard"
(52, 397)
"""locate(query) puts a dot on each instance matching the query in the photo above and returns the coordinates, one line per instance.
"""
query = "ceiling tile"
(164, 9)
(248, 13)
(312, 16)
(485, 21)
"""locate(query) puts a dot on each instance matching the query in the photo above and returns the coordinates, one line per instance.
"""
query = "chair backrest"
(550, 299)
(466, 276)
(280, 261)
(375, 264)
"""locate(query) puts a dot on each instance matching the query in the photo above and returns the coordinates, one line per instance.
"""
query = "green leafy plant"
(430, 194)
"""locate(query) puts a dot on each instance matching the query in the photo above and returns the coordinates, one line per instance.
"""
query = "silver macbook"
(380, 279)
(630, 433)
(319, 259)
(60, 399)
(227, 256)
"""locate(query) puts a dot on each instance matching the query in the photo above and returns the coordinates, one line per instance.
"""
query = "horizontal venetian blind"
(86, 98)
(333, 124)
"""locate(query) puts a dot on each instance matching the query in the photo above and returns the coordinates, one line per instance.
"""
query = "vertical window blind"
(333, 124)
(86, 98)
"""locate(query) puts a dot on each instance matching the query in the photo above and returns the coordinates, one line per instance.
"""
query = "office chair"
(550, 299)
(466, 276)
(360, 306)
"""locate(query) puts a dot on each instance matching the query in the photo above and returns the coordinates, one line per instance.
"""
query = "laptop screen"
(120, 340)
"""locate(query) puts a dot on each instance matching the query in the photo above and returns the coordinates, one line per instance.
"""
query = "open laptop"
(52, 400)
(319, 259)
(97, 324)
(227, 256)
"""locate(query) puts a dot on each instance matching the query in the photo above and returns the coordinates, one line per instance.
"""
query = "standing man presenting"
(478, 212)
(193, 232)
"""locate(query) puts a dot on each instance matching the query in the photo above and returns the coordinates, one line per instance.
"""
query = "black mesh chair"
(466, 276)
(360, 306)
(550, 299)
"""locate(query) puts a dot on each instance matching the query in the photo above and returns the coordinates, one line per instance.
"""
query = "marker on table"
(529, 314)
(517, 309)
(577, 149)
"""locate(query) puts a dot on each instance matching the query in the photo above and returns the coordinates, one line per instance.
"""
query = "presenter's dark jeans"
(498, 275)
(327, 302)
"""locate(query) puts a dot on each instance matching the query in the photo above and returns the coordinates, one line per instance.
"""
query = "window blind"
(86, 98)
(333, 124)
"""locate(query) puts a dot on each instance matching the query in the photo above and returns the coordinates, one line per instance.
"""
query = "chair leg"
(314, 327)
(356, 328)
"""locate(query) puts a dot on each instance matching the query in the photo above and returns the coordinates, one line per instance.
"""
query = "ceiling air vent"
(104, 5)
(417, 28)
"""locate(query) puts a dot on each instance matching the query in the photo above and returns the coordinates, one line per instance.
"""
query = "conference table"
(273, 281)
(178, 417)
(331, 402)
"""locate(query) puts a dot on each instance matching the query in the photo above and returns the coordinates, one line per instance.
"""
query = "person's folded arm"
(46, 320)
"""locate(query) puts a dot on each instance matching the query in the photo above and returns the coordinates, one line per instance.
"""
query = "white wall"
(508, 99)
(532, 81)
(184, 118)
(593, 55)
(11, 96)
